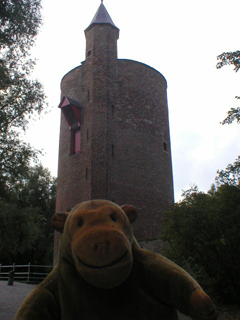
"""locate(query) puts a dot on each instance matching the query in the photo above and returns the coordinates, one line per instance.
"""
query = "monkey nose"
(101, 249)
(104, 245)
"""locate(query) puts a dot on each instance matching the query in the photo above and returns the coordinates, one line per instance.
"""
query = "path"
(11, 297)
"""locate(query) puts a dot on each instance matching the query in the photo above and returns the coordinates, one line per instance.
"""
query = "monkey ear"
(58, 221)
(130, 212)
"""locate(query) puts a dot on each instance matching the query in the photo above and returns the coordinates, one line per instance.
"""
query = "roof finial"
(102, 1)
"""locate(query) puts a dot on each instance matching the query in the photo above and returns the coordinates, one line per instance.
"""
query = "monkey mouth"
(104, 266)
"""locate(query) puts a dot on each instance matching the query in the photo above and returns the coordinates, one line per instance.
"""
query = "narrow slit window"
(164, 146)
(112, 150)
(77, 141)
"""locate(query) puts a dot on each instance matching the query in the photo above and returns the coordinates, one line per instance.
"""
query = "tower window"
(112, 150)
(72, 111)
(164, 146)
(89, 53)
(76, 141)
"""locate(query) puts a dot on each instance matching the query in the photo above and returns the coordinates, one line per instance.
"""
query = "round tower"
(114, 134)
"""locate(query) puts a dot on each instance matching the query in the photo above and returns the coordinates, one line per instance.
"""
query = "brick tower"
(114, 135)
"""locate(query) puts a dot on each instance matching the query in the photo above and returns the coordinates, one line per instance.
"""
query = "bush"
(203, 232)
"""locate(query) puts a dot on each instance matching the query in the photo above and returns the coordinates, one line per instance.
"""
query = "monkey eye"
(80, 222)
(113, 217)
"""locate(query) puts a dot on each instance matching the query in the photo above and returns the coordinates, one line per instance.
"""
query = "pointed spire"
(102, 16)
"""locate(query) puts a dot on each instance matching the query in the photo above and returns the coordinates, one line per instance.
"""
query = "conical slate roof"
(102, 16)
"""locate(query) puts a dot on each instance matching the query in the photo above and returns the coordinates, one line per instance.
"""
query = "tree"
(230, 176)
(20, 230)
(27, 194)
(230, 58)
(21, 98)
(26, 219)
(202, 231)
(38, 192)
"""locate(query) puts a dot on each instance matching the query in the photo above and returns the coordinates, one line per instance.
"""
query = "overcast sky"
(180, 39)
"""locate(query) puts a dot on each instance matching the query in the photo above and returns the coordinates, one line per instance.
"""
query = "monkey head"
(97, 239)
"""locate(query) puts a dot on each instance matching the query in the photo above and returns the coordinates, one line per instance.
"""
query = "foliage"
(19, 232)
(16, 24)
(232, 114)
(230, 58)
(202, 231)
(26, 234)
(15, 159)
(27, 194)
(231, 175)
(37, 190)
(21, 99)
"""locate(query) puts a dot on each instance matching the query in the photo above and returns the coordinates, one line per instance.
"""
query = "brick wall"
(141, 170)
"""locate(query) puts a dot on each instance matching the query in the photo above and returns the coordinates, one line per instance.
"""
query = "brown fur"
(102, 273)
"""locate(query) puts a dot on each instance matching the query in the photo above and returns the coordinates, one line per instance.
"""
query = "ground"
(229, 312)
(11, 297)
